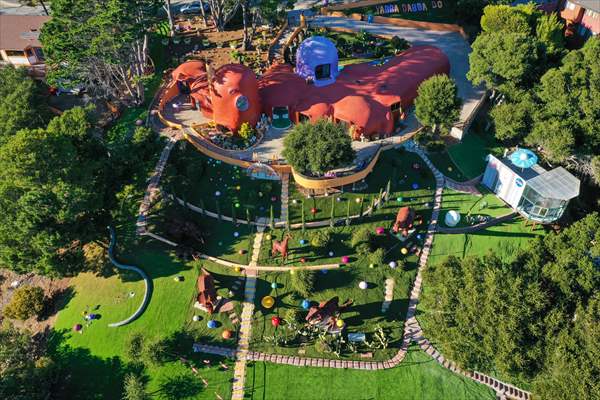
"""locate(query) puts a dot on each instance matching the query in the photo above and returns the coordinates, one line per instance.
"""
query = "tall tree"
(506, 61)
(437, 103)
(20, 105)
(506, 18)
(102, 44)
(221, 11)
(52, 193)
(24, 373)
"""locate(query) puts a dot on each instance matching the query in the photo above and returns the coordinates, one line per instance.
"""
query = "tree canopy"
(522, 318)
(437, 103)
(20, 106)
(101, 44)
(319, 147)
(51, 190)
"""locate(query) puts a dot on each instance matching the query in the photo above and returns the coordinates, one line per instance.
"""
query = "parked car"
(193, 8)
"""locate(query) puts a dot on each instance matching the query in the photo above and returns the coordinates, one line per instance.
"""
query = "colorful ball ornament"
(330, 254)
(292, 272)
(345, 259)
(267, 302)
(217, 193)
(226, 334)
(305, 304)
(380, 230)
(302, 260)
(415, 186)
(313, 210)
(399, 199)
(302, 242)
(237, 205)
(260, 194)
(268, 237)
(357, 200)
(404, 251)
(236, 234)
(242, 252)
(393, 264)
(212, 324)
(371, 265)
(274, 285)
(238, 269)
(363, 285)
(275, 321)
(339, 323)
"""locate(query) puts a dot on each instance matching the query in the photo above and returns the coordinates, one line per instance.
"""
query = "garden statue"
(404, 220)
(325, 314)
(207, 294)
(281, 247)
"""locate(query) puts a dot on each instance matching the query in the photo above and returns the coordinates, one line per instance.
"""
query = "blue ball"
(274, 285)
(323, 271)
(302, 242)
(415, 186)
(212, 324)
(305, 304)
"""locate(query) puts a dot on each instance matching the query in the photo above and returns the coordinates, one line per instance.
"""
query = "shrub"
(26, 302)
(321, 238)
(245, 131)
(303, 282)
(95, 255)
(135, 347)
(399, 44)
(377, 257)
(360, 236)
(435, 146)
(292, 315)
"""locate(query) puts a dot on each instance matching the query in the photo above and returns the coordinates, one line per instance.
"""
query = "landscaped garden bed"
(218, 187)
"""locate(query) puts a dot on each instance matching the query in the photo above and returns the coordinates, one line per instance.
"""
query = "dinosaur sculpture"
(404, 220)
(326, 313)
(207, 294)
(281, 247)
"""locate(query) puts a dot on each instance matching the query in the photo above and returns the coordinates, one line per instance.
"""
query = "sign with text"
(416, 7)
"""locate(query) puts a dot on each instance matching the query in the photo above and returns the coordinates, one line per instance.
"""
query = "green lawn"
(96, 357)
(503, 240)
(488, 205)
(394, 166)
(469, 155)
(418, 377)
(197, 179)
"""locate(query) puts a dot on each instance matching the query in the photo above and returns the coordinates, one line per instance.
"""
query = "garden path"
(239, 372)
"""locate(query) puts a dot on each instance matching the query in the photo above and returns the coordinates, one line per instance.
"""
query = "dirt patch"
(57, 290)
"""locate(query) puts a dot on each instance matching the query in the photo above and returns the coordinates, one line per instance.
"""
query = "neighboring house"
(539, 195)
(582, 17)
(19, 42)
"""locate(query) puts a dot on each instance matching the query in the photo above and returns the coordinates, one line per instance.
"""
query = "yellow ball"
(292, 272)
(404, 251)
(268, 237)
(340, 323)
(238, 269)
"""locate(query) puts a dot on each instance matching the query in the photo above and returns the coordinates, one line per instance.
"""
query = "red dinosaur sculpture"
(326, 310)
(207, 294)
(281, 247)
(404, 220)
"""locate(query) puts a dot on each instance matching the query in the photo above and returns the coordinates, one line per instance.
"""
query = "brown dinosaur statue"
(326, 310)
(404, 220)
(281, 247)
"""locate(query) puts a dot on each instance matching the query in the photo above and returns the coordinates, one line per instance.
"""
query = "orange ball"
(226, 334)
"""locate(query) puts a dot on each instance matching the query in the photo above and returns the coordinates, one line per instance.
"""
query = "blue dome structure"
(317, 60)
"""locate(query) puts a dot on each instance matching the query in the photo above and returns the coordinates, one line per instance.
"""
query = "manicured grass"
(96, 358)
(393, 166)
(469, 155)
(488, 205)
(418, 377)
(503, 240)
(447, 166)
(197, 179)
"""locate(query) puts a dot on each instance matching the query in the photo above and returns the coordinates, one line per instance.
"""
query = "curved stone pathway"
(147, 281)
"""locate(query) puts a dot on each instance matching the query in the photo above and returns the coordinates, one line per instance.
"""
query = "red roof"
(362, 93)
(17, 32)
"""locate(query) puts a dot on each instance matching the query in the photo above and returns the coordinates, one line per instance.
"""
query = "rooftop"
(556, 184)
(18, 32)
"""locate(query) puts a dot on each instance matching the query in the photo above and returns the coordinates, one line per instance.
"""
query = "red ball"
(313, 210)
(303, 260)
(275, 321)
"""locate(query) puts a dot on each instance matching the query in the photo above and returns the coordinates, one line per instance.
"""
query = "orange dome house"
(234, 97)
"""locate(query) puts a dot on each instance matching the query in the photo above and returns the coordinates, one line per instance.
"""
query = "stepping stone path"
(285, 181)
(239, 371)
(389, 294)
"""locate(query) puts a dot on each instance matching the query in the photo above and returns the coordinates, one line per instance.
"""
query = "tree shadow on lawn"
(85, 376)
(372, 313)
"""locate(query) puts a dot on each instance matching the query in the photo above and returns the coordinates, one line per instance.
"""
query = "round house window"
(242, 103)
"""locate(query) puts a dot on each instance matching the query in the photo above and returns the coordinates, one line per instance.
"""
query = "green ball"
(237, 205)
